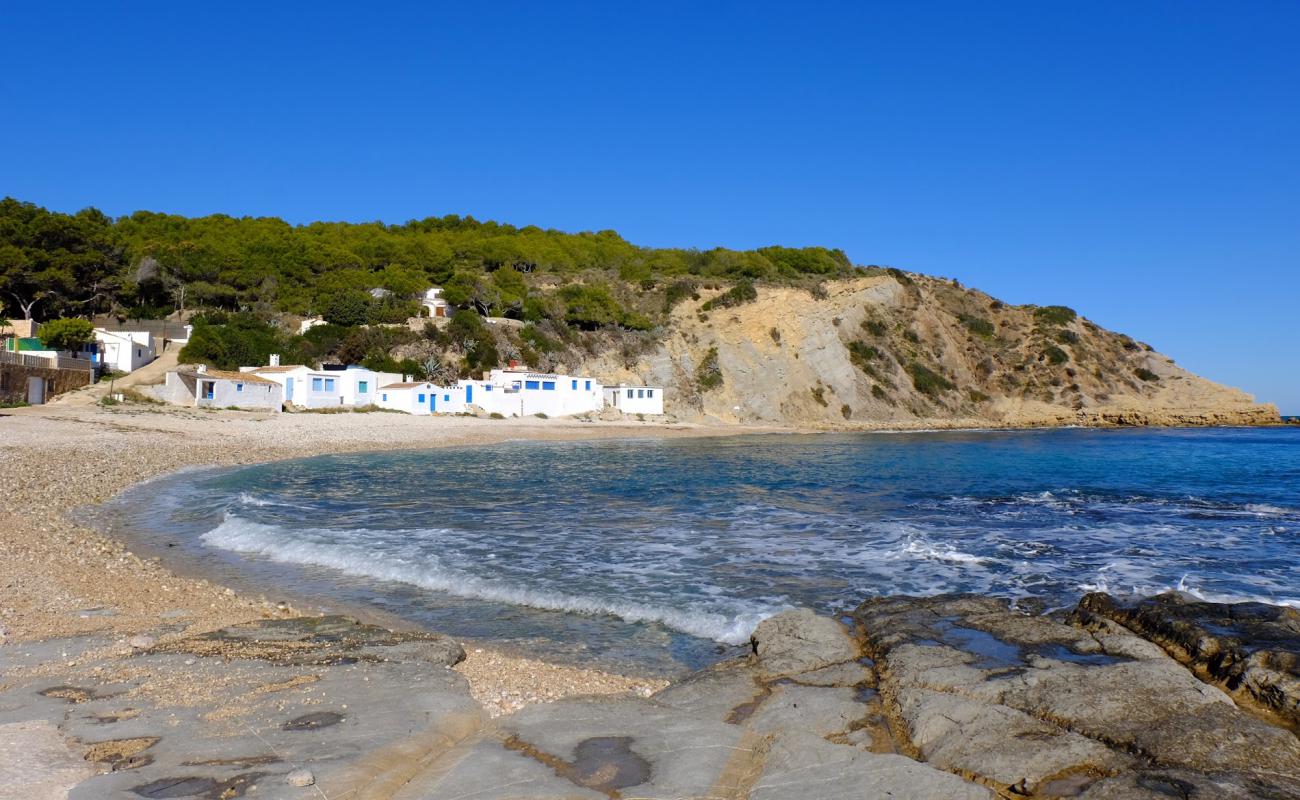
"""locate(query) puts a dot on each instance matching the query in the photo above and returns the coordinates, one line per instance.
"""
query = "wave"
(356, 558)
(932, 552)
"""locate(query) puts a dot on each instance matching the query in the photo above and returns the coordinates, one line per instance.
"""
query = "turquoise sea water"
(666, 553)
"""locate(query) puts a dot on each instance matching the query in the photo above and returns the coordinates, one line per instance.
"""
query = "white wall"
(189, 390)
(126, 351)
(514, 393)
(424, 398)
(635, 399)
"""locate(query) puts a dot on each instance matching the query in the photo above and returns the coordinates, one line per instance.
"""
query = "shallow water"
(665, 553)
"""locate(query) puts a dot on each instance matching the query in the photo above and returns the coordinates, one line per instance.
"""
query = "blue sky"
(1138, 161)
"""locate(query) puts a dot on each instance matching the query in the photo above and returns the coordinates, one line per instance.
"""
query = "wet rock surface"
(1250, 650)
(949, 697)
(1033, 705)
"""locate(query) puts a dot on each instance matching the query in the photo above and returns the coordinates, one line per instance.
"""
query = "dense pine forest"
(239, 279)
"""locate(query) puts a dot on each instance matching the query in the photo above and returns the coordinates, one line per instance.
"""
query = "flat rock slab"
(801, 641)
(36, 762)
(1251, 650)
(1022, 703)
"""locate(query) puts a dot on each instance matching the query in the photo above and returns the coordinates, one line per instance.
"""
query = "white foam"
(356, 557)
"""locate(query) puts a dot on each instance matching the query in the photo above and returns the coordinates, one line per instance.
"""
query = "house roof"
(223, 375)
(284, 368)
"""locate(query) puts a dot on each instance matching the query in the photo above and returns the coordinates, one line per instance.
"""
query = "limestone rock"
(800, 641)
(300, 777)
(1251, 650)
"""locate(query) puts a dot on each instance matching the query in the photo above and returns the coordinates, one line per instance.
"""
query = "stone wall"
(13, 380)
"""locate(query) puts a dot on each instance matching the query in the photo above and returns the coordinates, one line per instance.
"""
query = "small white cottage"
(434, 304)
(201, 387)
(635, 399)
(415, 397)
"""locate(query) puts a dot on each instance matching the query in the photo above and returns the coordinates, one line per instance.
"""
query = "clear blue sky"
(1138, 161)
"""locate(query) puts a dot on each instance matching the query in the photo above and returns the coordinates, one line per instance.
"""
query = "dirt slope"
(903, 348)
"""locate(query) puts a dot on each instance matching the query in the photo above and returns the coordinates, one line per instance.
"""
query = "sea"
(661, 555)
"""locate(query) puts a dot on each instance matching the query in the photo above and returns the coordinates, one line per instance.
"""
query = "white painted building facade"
(201, 387)
(434, 304)
(421, 398)
(635, 399)
(520, 393)
(325, 388)
(125, 351)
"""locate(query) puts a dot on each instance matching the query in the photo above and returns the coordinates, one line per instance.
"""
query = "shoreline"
(67, 579)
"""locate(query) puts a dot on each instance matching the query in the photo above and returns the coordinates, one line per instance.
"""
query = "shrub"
(976, 396)
(590, 307)
(775, 334)
(108, 400)
(819, 394)
(878, 392)
(677, 292)
(862, 354)
(875, 327)
(1055, 315)
(708, 375)
(900, 276)
(743, 292)
(978, 326)
(541, 415)
(346, 308)
(926, 380)
(1055, 355)
(496, 415)
(1065, 336)
(846, 411)
(1146, 374)
(66, 334)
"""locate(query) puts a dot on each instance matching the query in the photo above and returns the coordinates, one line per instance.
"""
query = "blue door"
(288, 388)
(469, 393)
(433, 403)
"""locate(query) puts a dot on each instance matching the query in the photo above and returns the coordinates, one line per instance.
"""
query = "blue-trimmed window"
(629, 394)
(589, 386)
(421, 398)
(649, 392)
(446, 398)
(329, 384)
(575, 384)
(548, 385)
(640, 393)
(363, 387)
(384, 397)
(534, 385)
(239, 387)
(315, 384)
(487, 387)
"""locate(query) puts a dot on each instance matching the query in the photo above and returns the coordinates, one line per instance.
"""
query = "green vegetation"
(977, 396)
(862, 354)
(743, 292)
(926, 380)
(874, 327)
(978, 326)
(819, 394)
(1055, 355)
(846, 411)
(1055, 315)
(66, 334)
(775, 334)
(149, 264)
(878, 392)
(708, 376)
(1146, 374)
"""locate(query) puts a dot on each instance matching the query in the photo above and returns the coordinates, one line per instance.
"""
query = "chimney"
(406, 379)
(514, 363)
(274, 360)
(202, 369)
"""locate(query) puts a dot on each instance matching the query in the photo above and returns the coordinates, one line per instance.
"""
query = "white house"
(125, 351)
(324, 388)
(520, 393)
(635, 399)
(434, 304)
(421, 398)
(308, 324)
(213, 388)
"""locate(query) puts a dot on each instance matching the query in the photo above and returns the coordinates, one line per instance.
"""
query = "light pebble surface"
(59, 578)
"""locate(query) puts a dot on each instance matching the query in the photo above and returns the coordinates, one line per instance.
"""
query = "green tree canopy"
(66, 334)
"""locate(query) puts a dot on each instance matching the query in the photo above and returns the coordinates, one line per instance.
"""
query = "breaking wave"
(352, 552)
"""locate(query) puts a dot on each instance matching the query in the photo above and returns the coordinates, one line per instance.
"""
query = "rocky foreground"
(947, 697)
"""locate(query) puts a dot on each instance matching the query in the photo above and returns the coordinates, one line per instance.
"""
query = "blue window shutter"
(385, 397)
(629, 393)
(548, 385)
(531, 385)
(421, 398)
(589, 386)
(575, 384)
(239, 387)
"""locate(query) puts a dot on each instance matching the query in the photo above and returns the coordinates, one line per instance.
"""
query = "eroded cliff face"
(898, 348)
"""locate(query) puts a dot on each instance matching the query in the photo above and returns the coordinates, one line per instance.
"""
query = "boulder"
(800, 641)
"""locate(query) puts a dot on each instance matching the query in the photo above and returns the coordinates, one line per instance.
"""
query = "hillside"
(903, 348)
(776, 334)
